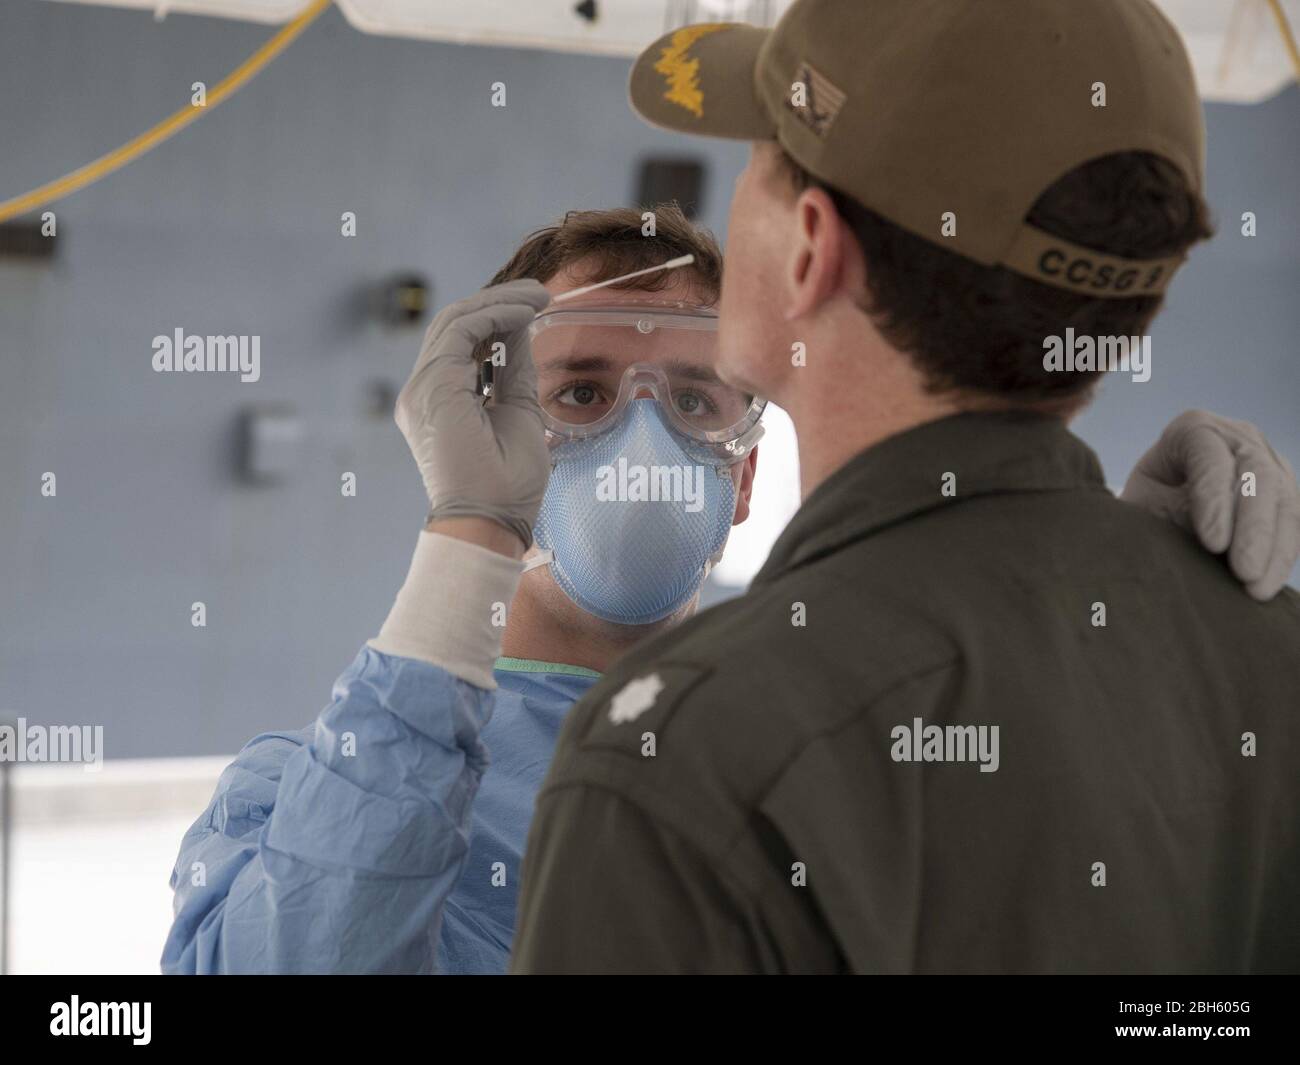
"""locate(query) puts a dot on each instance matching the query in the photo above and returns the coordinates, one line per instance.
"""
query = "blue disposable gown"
(377, 839)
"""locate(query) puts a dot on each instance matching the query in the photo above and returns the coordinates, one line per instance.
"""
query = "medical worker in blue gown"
(382, 838)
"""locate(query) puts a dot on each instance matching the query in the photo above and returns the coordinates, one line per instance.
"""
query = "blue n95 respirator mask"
(643, 439)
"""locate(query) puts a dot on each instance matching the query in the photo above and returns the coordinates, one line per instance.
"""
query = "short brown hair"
(612, 242)
(978, 330)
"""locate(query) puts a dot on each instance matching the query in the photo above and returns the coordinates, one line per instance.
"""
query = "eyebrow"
(603, 363)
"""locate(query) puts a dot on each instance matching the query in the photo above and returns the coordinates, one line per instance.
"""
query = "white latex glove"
(1193, 477)
(477, 460)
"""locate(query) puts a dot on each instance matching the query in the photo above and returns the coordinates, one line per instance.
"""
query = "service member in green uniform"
(975, 714)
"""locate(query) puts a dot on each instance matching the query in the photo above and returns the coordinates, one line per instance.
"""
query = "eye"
(693, 404)
(578, 394)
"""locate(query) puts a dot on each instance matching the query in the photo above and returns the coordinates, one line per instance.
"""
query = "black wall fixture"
(23, 240)
(664, 179)
(404, 299)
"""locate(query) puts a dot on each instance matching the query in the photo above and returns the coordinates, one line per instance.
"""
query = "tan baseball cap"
(947, 111)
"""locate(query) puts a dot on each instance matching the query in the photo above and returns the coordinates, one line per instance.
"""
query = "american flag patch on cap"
(818, 103)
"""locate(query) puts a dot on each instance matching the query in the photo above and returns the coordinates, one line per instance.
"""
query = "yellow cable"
(133, 149)
(1285, 28)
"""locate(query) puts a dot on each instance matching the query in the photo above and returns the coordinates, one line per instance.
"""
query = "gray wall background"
(233, 227)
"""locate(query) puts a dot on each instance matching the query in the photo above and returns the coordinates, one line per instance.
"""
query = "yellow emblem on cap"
(682, 72)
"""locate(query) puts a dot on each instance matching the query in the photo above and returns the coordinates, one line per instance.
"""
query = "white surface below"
(92, 853)
(93, 898)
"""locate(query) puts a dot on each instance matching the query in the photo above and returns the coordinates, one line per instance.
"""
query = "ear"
(745, 487)
(824, 253)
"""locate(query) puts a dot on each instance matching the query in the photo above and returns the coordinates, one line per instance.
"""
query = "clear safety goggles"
(592, 361)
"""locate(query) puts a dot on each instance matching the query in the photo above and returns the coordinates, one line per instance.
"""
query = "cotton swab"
(671, 264)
